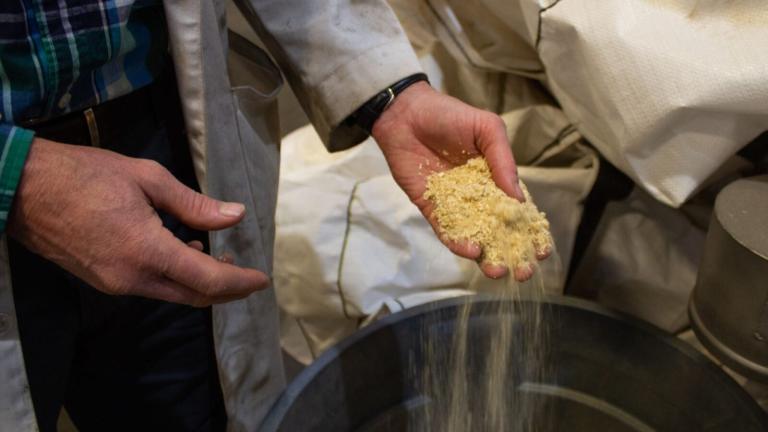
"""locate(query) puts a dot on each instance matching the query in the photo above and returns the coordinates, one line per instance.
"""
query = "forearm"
(336, 54)
(14, 147)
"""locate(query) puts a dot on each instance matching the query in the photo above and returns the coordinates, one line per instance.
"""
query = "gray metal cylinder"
(729, 306)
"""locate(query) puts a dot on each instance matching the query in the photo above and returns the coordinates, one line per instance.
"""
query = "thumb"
(494, 145)
(190, 207)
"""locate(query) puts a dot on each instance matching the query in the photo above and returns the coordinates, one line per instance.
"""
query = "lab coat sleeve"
(336, 54)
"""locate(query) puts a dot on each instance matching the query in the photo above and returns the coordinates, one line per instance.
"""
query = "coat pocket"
(250, 66)
(256, 82)
(259, 133)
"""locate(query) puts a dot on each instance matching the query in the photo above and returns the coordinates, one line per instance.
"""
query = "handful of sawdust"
(469, 206)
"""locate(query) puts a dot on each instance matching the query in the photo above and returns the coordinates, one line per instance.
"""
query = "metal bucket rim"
(293, 390)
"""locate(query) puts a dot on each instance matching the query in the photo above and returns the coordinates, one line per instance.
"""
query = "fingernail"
(519, 191)
(230, 209)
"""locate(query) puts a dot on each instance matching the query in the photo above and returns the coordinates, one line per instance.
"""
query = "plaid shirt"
(58, 56)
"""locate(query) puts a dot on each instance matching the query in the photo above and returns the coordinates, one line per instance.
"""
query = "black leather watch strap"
(367, 114)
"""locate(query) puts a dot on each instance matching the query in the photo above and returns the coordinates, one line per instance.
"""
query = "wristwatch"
(366, 115)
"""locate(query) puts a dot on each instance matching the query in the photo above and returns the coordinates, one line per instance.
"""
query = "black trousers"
(119, 363)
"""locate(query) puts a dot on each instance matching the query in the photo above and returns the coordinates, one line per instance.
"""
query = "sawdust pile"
(469, 206)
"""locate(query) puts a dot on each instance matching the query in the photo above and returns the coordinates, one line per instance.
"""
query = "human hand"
(92, 212)
(424, 131)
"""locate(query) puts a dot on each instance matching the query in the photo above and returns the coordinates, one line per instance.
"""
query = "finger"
(494, 271)
(226, 257)
(463, 248)
(207, 275)
(494, 145)
(196, 245)
(192, 208)
(523, 273)
(543, 253)
(173, 292)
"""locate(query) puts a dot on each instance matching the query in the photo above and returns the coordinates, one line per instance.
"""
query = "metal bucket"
(729, 306)
(609, 373)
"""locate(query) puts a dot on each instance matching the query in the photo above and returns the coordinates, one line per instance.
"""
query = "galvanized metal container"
(729, 306)
(606, 372)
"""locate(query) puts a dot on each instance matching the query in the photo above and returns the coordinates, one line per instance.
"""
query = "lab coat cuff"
(350, 85)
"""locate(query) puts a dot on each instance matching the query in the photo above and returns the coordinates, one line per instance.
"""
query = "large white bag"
(667, 90)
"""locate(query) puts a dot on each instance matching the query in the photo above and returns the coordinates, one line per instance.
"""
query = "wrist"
(367, 115)
(398, 111)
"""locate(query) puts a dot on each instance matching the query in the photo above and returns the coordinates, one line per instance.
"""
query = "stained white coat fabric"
(230, 117)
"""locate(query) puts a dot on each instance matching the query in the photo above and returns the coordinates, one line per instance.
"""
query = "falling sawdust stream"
(472, 383)
(469, 390)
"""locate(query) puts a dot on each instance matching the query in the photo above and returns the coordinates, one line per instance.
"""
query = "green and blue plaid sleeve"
(14, 146)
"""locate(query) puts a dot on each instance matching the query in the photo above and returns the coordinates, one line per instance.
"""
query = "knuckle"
(152, 169)
(496, 121)
(195, 202)
(114, 287)
(121, 284)
(162, 262)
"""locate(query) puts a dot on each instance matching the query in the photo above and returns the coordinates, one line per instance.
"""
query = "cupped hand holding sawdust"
(425, 132)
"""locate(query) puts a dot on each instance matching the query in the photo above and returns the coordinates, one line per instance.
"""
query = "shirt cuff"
(14, 147)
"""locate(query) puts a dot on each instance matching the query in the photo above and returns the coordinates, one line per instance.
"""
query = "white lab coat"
(336, 54)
